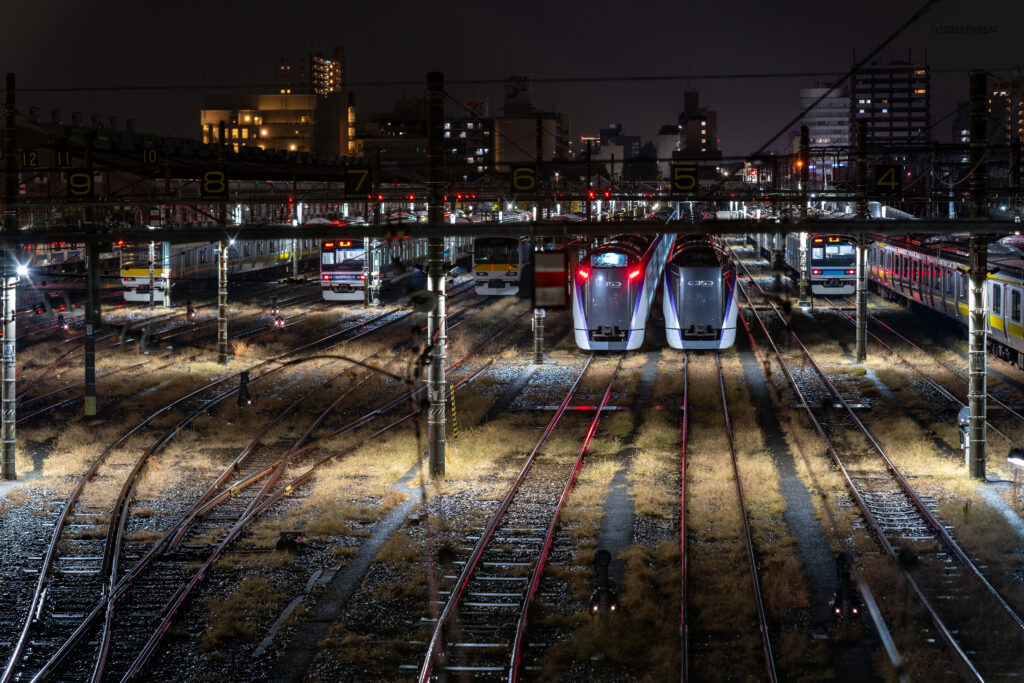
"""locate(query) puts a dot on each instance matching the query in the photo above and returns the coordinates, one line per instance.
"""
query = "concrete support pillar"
(152, 275)
(976, 359)
(805, 285)
(8, 447)
(165, 268)
(538, 336)
(862, 299)
(436, 325)
(222, 303)
(91, 314)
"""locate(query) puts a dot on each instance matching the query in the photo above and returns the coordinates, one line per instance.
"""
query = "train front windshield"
(832, 251)
(495, 251)
(138, 256)
(340, 254)
(609, 259)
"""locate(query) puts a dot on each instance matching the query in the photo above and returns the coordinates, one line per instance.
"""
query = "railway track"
(117, 542)
(481, 626)
(947, 583)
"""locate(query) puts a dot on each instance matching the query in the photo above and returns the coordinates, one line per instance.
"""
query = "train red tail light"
(584, 273)
(815, 271)
(634, 274)
(362, 276)
(326, 276)
(851, 271)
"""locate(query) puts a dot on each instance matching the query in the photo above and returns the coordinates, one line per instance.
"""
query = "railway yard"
(773, 511)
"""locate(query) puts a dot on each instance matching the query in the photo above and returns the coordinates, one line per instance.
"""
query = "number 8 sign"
(214, 184)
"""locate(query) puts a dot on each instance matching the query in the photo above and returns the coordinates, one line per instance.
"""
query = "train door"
(1015, 328)
(996, 324)
(962, 305)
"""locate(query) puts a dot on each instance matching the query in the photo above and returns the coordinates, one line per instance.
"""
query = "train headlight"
(21, 270)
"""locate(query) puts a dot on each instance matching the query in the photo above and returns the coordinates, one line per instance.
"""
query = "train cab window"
(1015, 305)
(609, 259)
(997, 300)
(327, 257)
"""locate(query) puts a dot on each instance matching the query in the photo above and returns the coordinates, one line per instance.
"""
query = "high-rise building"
(895, 100)
(1005, 111)
(516, 132)
(829, 122)
(316, 74)
(698, 129)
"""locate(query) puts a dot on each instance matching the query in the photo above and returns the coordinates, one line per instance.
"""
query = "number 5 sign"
(684, 179)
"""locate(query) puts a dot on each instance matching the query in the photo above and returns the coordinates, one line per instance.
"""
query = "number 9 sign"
(80, 185)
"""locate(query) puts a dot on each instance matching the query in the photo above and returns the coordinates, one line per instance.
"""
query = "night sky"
(53, 44)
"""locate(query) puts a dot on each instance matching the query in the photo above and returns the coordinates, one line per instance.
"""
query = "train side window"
(202, 255)
(259, 247)
(937, 281)
(997, 299)
(1015, 305)
(963, 286)
(948, 274)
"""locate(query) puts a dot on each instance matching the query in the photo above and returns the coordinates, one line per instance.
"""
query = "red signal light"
(607, 194)
(591, 194)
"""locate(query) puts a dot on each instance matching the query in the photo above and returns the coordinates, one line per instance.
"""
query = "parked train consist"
(342, 274)
(932, 272)
(501, 265)
(832, 260)
(699, 299)
(188, 266)
(612, 291)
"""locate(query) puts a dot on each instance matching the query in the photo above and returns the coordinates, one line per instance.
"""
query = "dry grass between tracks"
(239, 615)
(724, 639)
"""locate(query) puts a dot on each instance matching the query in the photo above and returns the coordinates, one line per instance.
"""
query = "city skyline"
(601, 65)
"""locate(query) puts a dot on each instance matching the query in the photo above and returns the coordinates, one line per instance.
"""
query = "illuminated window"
(919, 91)
(263, 132)
(291, 147)
(245, 133)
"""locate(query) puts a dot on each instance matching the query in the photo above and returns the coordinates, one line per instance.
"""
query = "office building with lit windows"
(895, 100)
(292, 123)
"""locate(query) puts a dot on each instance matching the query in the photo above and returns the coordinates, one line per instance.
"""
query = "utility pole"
(862, 241)
(437, 336)
(92, 313)
(538, 313)
(222, 268)
(978, 275)
(586, 189)
(8, 445)
(802, 161)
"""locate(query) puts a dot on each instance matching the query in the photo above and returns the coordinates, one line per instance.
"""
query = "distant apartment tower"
(316, 74)
(895, 100)
(698, 129)
(829, 122)
(1005, 111)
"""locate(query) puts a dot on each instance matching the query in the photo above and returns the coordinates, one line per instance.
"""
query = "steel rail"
(203, 505)
(904, 485)
(436, 638)
(171, 609)
(933, 614)
(39, 595)
(941, 390)
(947, 367)
(762, 618)
(538, 568)
(684, 659)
